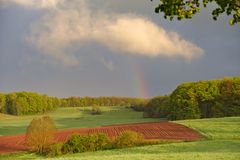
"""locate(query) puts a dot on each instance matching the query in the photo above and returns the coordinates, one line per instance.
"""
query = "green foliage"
(101, 141)
(83, 143)
(55, 150)
(216, 98)
(74, 144)
(2, 103)
(185, 9)
(157, 107)
(128, 139)
(183, 104)
(228, 102)
(25, 103)
(140, 106)
(100, 101)
(40, 134)
(96, 110)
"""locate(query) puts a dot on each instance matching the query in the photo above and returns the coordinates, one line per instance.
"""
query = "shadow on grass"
(111, 117)
(12, 130)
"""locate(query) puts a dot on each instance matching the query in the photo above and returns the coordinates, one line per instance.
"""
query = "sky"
(110, 48)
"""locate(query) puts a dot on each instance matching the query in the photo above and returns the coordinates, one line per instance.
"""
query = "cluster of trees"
(100, 101)
(23, 103)
(203, 99)
(157, 107)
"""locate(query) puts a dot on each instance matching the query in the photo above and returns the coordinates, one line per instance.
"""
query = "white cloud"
(138, 35)
(33, 3)
(73, 23)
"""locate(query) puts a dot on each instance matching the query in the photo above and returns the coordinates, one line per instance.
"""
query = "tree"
(157, 107)
(40, 134)
(205, 99)
(185, 9)
(2, 103)
(96, 110)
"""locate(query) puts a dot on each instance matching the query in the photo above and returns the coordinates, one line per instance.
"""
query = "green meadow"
(222, 138)
(75, 117)
(202, 150)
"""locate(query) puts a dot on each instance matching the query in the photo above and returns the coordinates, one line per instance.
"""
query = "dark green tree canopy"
(185, 9)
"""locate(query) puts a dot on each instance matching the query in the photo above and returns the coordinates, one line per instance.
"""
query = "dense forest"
(202, 99)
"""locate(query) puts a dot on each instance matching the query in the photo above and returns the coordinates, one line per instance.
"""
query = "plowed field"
(159, 130)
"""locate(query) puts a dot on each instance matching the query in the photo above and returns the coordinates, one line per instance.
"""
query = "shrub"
(40, 134)
(96, 110)
(55, 150)
(100, 141)
(74, 144)
(82, 143)
(128, 139)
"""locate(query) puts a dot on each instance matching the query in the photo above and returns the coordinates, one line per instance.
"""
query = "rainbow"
(139, 81)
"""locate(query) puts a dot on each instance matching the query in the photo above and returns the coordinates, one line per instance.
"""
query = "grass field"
(202, 150)
(222, 142)
(216, 128)
(76, 117)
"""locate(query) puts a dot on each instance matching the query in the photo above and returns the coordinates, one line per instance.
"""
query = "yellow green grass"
(216, 128)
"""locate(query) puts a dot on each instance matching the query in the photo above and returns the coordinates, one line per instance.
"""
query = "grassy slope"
(223, 143)
(74, 118)
(216, 128)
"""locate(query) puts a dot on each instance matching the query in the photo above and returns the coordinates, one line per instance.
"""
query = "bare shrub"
(40, 134)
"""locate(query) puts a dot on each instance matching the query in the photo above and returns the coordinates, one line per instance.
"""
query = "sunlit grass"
(216, 128)
(201, 150)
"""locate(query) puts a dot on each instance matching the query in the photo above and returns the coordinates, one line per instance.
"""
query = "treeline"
(157, 107)
(101, 101)
(202, 99)
(25, 103)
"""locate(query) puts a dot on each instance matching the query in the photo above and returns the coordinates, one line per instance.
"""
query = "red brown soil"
(158, 130)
